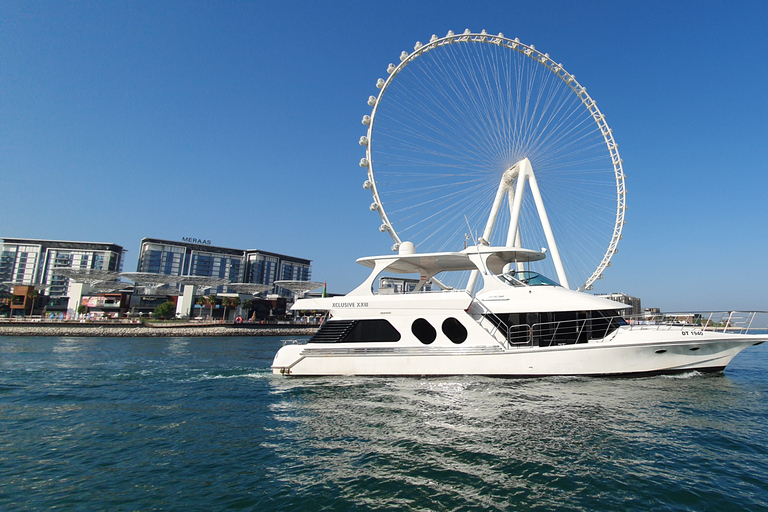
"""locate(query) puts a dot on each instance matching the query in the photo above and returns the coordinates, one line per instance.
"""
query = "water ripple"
(200, 424)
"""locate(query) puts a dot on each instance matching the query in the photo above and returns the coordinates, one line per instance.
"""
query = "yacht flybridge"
(519, 324)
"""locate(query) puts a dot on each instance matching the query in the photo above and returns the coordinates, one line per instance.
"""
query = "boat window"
(456, 332)
(557, 327)
(372, 330)
(424, 331)
(526, 277)
(347, 331)
(508, 279)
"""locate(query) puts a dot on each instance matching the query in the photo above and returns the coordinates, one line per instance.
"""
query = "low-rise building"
(31, 262)
(635, 302)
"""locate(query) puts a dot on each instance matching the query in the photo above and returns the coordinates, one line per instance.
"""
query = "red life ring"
(239, 320)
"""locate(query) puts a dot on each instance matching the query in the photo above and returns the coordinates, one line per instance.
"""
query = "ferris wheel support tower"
(512, 185)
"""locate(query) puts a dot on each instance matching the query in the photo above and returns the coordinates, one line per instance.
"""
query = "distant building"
(31, 261)
(264, 267)
(190, 259)
(25, 262)
(391, 285)
(624, 299)
(237, 265)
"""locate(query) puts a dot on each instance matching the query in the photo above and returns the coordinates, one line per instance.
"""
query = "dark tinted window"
(424, 331)
(456, 332)
(372, 330)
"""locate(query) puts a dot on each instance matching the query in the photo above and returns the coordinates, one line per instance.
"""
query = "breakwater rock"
(151, 330)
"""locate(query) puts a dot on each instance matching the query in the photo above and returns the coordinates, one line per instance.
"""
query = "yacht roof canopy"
(437, 262)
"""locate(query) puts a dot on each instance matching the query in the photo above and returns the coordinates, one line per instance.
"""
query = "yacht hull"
(624, 354)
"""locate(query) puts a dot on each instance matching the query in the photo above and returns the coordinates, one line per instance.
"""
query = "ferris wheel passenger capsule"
(374, 206)
(404, 55)
(395, 247)
(449, 34)
(417, 46)
(366, 120)
(367, 184)
(383, 228)
(363, 162)
(391, 68)
(380, 83)
(371, 100)
(363, 140)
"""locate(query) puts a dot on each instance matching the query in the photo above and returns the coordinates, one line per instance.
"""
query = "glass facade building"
(32, 261)
(237, 265)
(267, 267)
(190, 259)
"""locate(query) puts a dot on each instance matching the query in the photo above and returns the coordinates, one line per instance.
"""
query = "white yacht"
(519, 324)
(482, 110)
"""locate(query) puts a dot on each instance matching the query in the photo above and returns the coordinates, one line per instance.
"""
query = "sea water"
(202, 424)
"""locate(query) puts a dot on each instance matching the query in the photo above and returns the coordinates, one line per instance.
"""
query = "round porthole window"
(424, 331)
(456, 332)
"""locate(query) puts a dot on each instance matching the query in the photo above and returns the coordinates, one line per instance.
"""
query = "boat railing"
(392, 291)
(736, 322)
(582, 330)
(563, 332)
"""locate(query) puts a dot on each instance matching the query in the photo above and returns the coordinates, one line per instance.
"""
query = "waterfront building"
(236, 265)
(199, 258)
(190, 259)
(267, 267)
(27, 261)
(624, 299)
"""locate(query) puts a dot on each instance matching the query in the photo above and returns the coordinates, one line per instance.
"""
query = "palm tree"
(234, 301)
(200, 302)
(226, 302)
(33, 295)
(211, 301)
(247, 305)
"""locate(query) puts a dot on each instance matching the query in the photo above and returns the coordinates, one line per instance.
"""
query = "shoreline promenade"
(150, 329)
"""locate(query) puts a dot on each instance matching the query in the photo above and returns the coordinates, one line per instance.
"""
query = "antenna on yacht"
(474, 240)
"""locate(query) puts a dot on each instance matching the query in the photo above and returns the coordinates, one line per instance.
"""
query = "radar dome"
(407, 248)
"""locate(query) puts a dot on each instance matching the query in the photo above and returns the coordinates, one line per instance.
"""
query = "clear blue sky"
(238, 122)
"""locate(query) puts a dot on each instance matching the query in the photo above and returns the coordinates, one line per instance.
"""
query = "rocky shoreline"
(149, 330)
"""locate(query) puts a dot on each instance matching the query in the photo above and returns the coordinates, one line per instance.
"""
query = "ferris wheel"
(477, 138)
